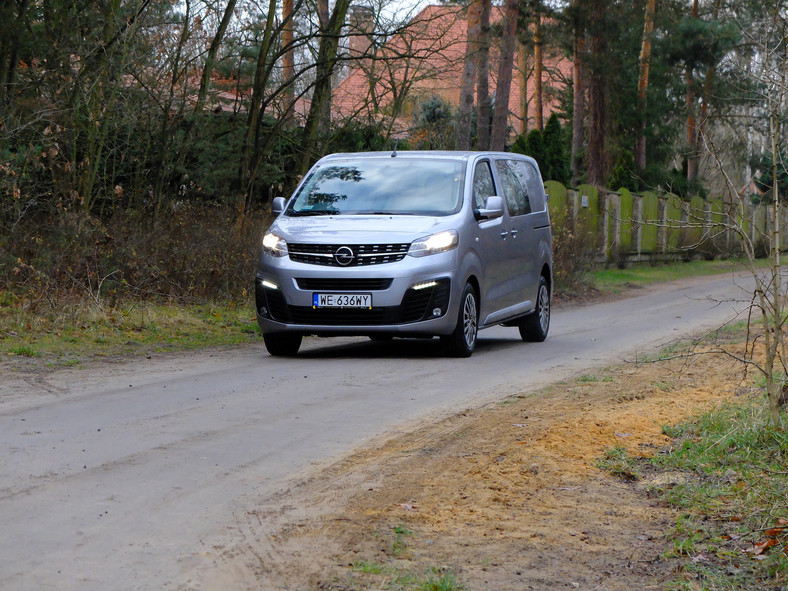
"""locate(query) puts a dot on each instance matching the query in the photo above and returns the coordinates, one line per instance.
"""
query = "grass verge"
(68, 334)
(65, 334)
(732, 528)
(614, 281)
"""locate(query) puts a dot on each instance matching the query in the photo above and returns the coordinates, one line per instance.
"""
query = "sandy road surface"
(132, 475)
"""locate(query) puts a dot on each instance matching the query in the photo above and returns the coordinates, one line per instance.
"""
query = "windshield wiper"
(311, 212)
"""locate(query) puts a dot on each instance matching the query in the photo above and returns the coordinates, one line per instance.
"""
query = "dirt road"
(175, 472)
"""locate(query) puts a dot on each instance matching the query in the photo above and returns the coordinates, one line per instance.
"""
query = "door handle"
(504, 235)
(514, 233)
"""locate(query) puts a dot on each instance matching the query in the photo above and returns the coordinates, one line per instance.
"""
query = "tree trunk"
(538, 69)
(326, 61)
(597, 158)
(692, 124)
(9, 46)
(251, 141)
(704, 108)
(522, 62)
(644, 65)
(579, 98)
(288, 61)
(483, 83)
(463, 129)
(210, 59)
(325, 112)
(499, 133)
(168, 127)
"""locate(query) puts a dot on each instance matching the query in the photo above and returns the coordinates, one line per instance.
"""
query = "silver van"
(408, 244)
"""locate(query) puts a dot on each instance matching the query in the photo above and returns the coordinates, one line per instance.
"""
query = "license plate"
(342, 300)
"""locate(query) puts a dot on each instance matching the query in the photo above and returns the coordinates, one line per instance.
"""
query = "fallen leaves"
(772, 538)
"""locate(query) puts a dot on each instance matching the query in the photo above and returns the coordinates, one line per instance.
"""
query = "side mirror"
(492, 209)
(278, 205)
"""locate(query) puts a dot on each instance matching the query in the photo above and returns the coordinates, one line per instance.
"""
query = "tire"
(282, 344)
(534, 327)
(462, 342)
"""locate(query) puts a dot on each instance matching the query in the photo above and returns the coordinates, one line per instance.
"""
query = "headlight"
(274, 245)
(440, 242)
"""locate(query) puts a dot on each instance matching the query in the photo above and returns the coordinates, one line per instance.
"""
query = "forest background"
(141, 142)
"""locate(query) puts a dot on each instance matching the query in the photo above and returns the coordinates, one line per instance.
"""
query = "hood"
(359, 229)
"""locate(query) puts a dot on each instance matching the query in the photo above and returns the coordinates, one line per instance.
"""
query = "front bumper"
(410, 297)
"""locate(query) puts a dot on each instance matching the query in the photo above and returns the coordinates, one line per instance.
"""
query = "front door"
(492, 246)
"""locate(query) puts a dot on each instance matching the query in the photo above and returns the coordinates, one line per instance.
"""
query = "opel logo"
(344, 256)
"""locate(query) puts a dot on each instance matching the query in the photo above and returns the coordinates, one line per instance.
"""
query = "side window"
(533, 182)
(514, 190)
(483, 185)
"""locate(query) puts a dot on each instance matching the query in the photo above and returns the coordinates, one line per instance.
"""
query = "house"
(388, 81)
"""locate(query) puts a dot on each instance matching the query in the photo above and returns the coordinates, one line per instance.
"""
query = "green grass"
(444, 582)
(65, 334)
(372, 575)
(734, 501)
(399, 546)
(590, 379)
(391, 571)
(369, 567)
(615, 280)
(619, 463)
(24, 351)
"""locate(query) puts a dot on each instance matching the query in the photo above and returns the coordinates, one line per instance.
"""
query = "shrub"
(556, 162)
(574, 253)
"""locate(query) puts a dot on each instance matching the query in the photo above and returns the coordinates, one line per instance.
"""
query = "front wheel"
(462, 342)
(534, 327)
(282, 344)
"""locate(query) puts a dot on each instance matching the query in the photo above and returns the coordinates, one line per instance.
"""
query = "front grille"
(363, 254)
(343, 284)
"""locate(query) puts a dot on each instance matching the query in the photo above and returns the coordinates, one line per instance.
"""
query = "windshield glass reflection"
(381, 187)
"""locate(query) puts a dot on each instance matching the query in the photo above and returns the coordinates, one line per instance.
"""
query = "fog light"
(269, 284)
(437, 312)
(263, 311)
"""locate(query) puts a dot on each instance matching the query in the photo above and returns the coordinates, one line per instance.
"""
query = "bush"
(623, 175)
(574, 254)
(195, 251)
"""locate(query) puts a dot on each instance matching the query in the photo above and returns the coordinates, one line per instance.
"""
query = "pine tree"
(534, 147)
(555, 164)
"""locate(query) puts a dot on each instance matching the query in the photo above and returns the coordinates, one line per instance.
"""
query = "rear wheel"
(462, 342)
(534, 327)
(282, 344)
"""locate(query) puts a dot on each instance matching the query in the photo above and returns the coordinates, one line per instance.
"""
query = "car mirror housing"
(492, 209)
(278, 205)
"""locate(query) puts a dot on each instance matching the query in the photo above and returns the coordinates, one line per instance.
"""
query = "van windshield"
(376, 186)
